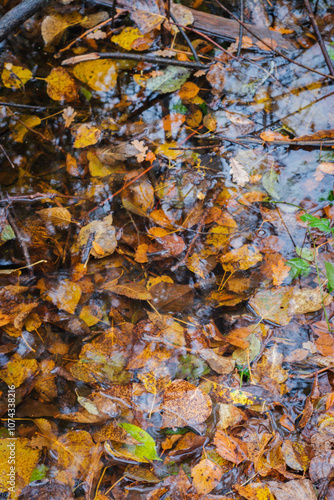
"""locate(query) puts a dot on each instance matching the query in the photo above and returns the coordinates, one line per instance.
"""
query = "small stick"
(319, 37)
(190, 45)
(6, 155)
(165, 61)
(111, 19)
(271, 48)
(28, 106)
(22, 243)
(240, 27)
(16, 16)
(199, 227)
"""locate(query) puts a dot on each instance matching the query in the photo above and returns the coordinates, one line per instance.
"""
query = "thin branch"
(319, 37)
(270, 47)
(16, 16)
(28, 106)
(6, 155)
(241, 27)
(21, 241)
(165, 61)
(209, 205)
(190, 45)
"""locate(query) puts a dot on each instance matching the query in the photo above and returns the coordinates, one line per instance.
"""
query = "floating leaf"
(146, 447)
(54, 25)
(57, 215)
(239, 174)
(20, 130)
(131, 290)
(206, 476)
(184, 404)
(15, 76)
(126, 38)
(86, 135)
(65, 295)
(172, 79)
(18, 370)
(99, 75)
(61, 86)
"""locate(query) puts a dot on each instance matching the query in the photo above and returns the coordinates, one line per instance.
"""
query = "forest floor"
(167, 265)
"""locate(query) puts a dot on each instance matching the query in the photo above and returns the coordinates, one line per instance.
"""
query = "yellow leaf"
(18, 370)
(54, 25)
(188, 90)
(206, 476)
(99, 75)
(126, 38)
(159, 279)
(86, 136)
(15, 76)
(103, 235)
(19, 131)
(91, 314)
(56, 215)
(65, 296)
(96, 167)
(165, 150)
(61, 86)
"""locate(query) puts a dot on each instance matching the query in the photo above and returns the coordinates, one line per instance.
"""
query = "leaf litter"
(167, 271)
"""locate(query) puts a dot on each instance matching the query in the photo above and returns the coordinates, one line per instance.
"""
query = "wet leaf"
(126, 38)
(206, 476)
(61, 86)
(242, 258)
(184, 405)
(189, 90)
(229, 448)
(57, 216)
(18, 370)
(86, 135)
(65, 295)
(132, 290)
(103, 234)
(15, 77)
(239, 174)
(280, 272)
(273, 304)
(54, 25)
(307, 300)
(146, 448)
(172, 79)
(219, 364)
(20, 130)
(99, 75)
(255, 491)
(299, 489)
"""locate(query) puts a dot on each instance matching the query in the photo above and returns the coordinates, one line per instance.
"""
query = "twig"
(6, 155)
(16, 16)
(111, 19)
(246, 140)
(190, 45)
(270, 47)
(28, 106)
(120, 190)
(199, 227)
(319, 37)
(165, 61)
(240, 27)
(21, 242)
(36, 197)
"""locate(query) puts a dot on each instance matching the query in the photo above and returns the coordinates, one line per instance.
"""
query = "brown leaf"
(206, 476)
(299, 489)
(57, 215)
(132, 290)
(229, 448)
(184, 405)
(61, 86)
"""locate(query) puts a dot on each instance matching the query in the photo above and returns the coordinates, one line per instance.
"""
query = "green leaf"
(172, 79)
(147, 447)
(322, 224)
(39, 472)
(180, 108)
(305, 253)
(299, 267)
(7, 233)
(330, 275)
(87, 95)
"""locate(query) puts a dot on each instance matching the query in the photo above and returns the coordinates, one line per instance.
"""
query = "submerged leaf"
(172, 79)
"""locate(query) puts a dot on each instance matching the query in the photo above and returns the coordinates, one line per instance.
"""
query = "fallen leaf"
(229, 448)
(172, 79)
(219, 364)
(280, 272)
(322, 169)
(273, 304)
(65, 295)
(18, 371)
(184, 405)
(189, 90)
(142, 149)
(86, 135)
(216, 77)
(19, 131)
(270, 135)
(132, 290)
(69, 115)
(298, 489)
(99, 75)
(229, 416)
(57, 215)
(239, 174)
(61, 86)
(103, 235)
(255, 491)
(305, 300)
(241, 258)
(126, 38)
(206, 476)
(15, 77)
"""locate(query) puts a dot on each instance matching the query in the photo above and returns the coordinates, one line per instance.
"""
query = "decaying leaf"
(61, 86)
(239, 174)
(102, 233)
(184, 405)
(206, 476)
(57, 216)
(172, 79)
(15, 76)
(86, 135)
(100, 75)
